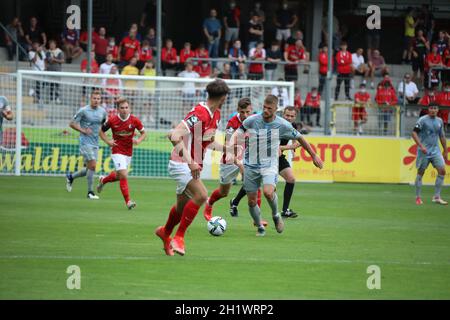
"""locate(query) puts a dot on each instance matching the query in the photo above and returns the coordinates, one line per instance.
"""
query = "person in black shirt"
(34, 33)
(255, 32)
(419, 49)
(284, 20)
(231, 21)
(273, 55)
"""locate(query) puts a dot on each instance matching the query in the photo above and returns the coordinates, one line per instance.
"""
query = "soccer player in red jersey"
(359, 113)
(229, 171)
(123, 126)
(190, 139)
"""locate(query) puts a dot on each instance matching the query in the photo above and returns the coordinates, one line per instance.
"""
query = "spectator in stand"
(237, 56)
(410, 26)
(94, 69)
(443, 100)
(359, 113)
(130, 70)
(323, 66)
(294, 54)
(298, 35)
(212, 28)
(373, 40)
(204, 69)
(54, 59)
(284, 20)
(201, 53)
(186, 53)
(16, 31)
(419, 48)
(282, 94)
(429, 97)
(442, 42)
(344, 70)
(273, 55)
(226, 72)
(377, 66)
(149, 71)
(145, 54)
(84, 39)
(101, 45)
(298, 102)
(70, 45)
(258, 11)
(148, 16)
(37, 57)
(169, 58)
(411, 92)
(385, 98)
(312, 106)
(359, 67)
(256, 70)
(35, 33)
(255, 32)
(151, 38)
(128, 48)
(105, 67)
(232, 23)
(112, 86)
(432, 60)
(188, 91)
(133, 29)
(113, 50)
(426, 20)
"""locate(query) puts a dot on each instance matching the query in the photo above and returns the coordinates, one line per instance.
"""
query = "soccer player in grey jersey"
(5, 112)
(427, 133)
(88, 121)
(263, 134)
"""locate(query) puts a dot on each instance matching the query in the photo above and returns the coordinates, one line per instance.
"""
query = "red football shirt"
(311, 101)
(101, 45)
(431, 57)
(256, 67)
(344, 62)
(362, 96)
(130, 47)
(94, 65)
(123, 133)
(145, 54)
(233, 124)
(186, 54)
(202, 125)
(294, 54)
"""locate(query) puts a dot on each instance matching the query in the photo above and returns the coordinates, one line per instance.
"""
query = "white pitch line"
(150, 258)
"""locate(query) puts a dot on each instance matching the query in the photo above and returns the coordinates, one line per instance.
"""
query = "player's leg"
(70, 177)
(270, 179)
(90, 165)
(216, 195)
(421, 165)
(288, 175)
(252, 181)
(110, 178)
(197, 190)
(234, 203)
(439, 164)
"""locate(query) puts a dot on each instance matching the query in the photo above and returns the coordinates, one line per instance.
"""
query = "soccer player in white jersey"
(263, 133)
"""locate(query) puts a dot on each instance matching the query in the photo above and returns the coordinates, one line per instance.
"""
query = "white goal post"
(45, 102)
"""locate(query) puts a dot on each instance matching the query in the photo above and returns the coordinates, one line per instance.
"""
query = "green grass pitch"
(323, 254)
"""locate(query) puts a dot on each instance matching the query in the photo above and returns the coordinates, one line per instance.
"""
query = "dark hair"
(217, 89)
(96, 92)
(433, 105)
(271, 99)
(244, 103)
(120, 101)
(290, 108)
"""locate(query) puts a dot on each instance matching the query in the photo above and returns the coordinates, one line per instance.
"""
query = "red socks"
(124, 189)
(214, 197)
(258, 201)
(189, 213)
(110, 178)
(172, 221)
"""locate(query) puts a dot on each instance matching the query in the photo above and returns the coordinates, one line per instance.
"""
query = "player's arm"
(142, 137)
(7, 114)
(415, 136)
(75, 124)
(294, 145)
(102, 134)
(316, 159)
(443, 143)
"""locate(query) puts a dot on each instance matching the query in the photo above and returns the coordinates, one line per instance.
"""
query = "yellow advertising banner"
(357, 159)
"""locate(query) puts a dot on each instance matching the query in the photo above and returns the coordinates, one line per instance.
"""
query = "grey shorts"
(254, 177)
(231, 34)
(228, 172)
(436, 159)
(89, 152)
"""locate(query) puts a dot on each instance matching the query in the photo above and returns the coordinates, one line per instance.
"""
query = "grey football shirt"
(263, 140)
(4, 106)
(89, 117)
(430, 129)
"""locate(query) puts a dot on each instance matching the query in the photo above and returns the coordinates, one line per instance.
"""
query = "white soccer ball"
(217, 226)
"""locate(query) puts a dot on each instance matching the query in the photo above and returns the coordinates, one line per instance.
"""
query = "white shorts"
(181, 173)
(254, 177)
(228, 172)
(121, 161)
(283, 34)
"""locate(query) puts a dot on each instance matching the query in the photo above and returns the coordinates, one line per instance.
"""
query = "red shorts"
(359, 114)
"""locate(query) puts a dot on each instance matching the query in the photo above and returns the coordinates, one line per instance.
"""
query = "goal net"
(45, 103)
